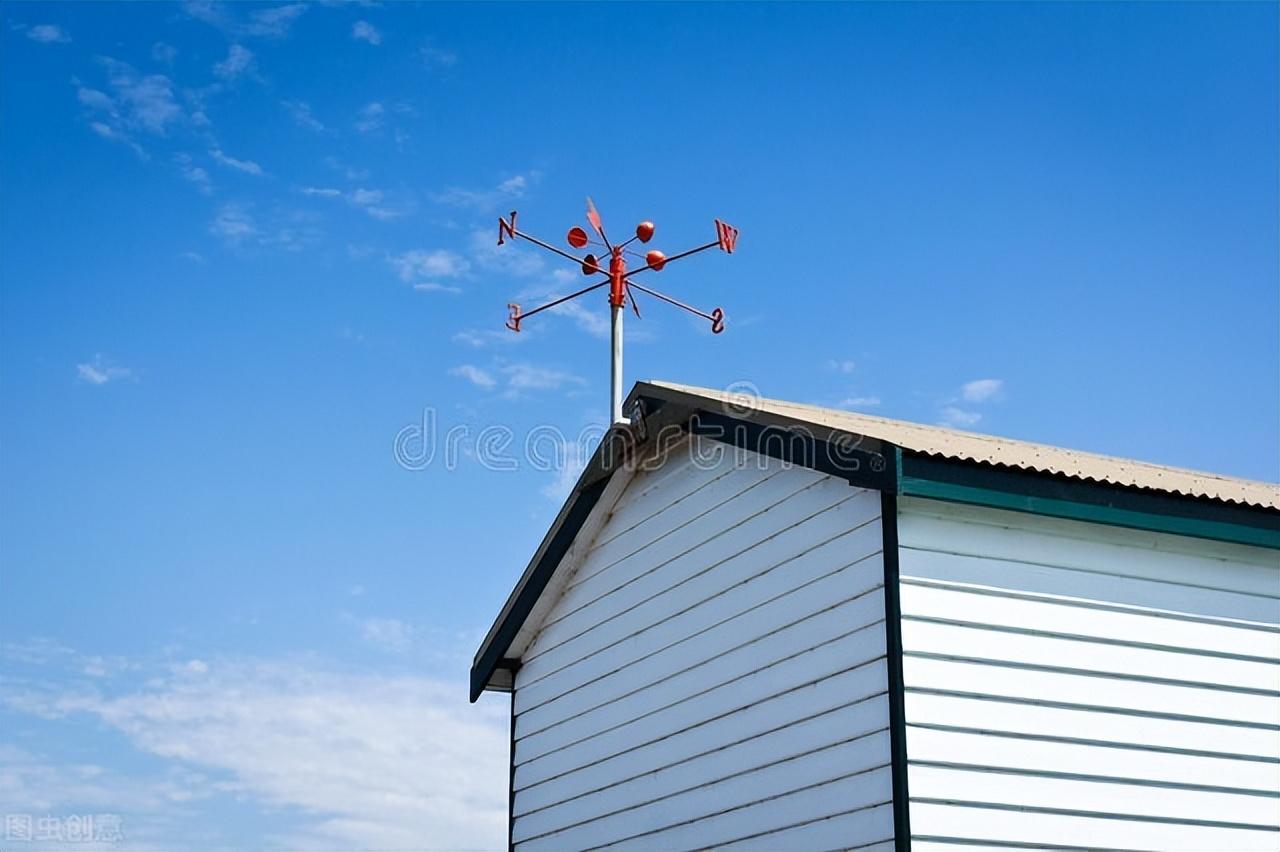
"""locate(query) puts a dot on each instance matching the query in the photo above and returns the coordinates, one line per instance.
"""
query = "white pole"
(615, 384)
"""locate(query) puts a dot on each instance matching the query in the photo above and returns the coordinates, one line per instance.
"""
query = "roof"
(892, 456)
(989, 449)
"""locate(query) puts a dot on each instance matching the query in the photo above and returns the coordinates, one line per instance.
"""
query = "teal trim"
(913, 486)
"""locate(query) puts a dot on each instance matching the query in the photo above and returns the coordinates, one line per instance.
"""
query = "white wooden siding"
(1071, 684)
(713, 673)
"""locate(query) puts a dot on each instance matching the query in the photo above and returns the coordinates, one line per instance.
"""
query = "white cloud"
(137, 102)
(593, 322)
(193, 174)
(859, 402)
(239, 62)
(193, 256)
(106, 131)
(321, 191)
(953, 416)
(981, 390)
(390, 634)
(48, 34)
(392, 762)
(484, 200)
(370, 117)
(234, 224)
(841, 366)
(522, 377)
(437, 57)
(246, 166)
(478, 377)
(414, 266)
(100, 371)
(365, 31)
(165, 53)
(301, 114)
(371, 201)
(434, 287)
(274, 22)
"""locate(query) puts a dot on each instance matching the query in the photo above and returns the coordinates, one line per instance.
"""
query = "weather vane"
(617, 279)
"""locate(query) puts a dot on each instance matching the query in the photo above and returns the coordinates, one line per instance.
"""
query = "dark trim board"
(1074, 499)
(897, 689)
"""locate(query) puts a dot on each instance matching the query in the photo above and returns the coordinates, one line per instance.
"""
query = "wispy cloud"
(389, 634)
(162, 52)
(955, 416)
(393, 761)
(48, 34)
(478, 377)
(370, 117)
(423, 266)
(841, 366)
(235, 224)
(961, 412)
(238, 63)
(246, 166)
(300, 112)
(365, 31)
(436, 57)
(372, 201)
(981, 390)
(858, 402)
(108, 132)
(193, 174)
(100, 371)
(484, 200)
(136, 103)
(274, 22)
(528, 377)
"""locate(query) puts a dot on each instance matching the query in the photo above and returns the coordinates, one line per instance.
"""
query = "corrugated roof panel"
(1024, 455)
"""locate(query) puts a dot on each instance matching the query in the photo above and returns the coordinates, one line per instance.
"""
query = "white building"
(763, 625)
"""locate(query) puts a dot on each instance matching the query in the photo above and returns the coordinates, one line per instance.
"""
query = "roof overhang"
(881, 454)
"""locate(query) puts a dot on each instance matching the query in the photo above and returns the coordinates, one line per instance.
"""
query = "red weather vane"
(617, 278)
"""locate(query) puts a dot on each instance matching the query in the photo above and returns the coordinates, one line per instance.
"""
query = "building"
(756, 624)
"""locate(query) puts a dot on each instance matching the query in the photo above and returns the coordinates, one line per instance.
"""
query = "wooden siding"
(713, 673)
(1075, 685)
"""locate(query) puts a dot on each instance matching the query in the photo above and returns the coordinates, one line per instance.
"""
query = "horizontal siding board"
(930, 745)
(763, 515)
(828, 833)
(1055, 686)
(724, 825)
(1071, 617)
(1025, 790)
(1047, 831)
(590, 710)
(1090, 548)
(565, 773)
(978, 641)
(1124, 589)
(752, 580)
(1119, 729)
(610, 675)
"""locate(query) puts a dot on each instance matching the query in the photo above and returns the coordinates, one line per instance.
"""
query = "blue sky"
(245, 247)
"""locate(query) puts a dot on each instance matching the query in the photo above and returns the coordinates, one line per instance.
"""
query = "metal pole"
(615, 383)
